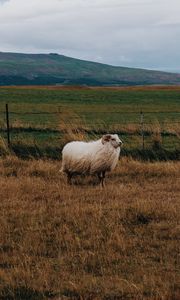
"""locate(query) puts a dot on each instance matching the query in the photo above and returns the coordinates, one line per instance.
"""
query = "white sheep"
(95, 157)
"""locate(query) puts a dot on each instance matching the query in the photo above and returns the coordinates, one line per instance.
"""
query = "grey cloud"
(120, 32)
(3, 1)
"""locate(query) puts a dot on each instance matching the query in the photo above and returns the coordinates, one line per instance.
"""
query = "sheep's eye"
(113, 139)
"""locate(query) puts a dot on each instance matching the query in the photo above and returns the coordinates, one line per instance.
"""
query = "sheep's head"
(112, 139)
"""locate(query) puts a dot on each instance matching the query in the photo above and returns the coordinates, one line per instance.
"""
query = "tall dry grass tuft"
(82, 242)
(4, 149)
(156, 135)
(19, 124)
(173, 128)
(72, 126)
(130, 129)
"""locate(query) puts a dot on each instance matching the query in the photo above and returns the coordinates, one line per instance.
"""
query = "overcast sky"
(134, 33)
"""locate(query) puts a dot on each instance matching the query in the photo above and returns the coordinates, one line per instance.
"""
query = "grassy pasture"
(107, 105)
(51, 109)
(82, 242)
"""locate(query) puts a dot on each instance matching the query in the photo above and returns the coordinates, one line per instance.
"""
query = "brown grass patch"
(79, 87)
(82, 242)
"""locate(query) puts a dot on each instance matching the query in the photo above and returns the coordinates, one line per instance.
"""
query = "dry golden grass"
(82, 242)
(77, 87)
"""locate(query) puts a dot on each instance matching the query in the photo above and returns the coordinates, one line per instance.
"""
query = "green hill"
(44, 69)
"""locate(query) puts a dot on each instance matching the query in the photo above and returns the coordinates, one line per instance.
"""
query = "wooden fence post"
(142, 128)
(7, 124)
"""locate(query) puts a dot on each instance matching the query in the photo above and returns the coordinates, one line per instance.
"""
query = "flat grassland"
(83, 242)
(110, 105)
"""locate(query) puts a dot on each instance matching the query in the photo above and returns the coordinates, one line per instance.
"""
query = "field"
(82, 242)
(40, 115)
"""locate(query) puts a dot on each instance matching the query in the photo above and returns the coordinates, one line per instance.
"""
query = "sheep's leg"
(101, 177)
(69, 177)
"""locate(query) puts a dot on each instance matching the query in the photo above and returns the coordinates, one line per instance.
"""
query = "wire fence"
(173, 116)
(13, 120)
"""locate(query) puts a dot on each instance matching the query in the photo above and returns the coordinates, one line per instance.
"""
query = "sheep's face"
(112, 139)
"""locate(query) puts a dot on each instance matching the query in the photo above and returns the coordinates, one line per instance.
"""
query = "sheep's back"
(76, 157)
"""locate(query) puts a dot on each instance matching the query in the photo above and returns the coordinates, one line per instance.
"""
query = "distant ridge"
(55, 69)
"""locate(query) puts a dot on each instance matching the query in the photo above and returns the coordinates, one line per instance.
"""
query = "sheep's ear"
(106, 138)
